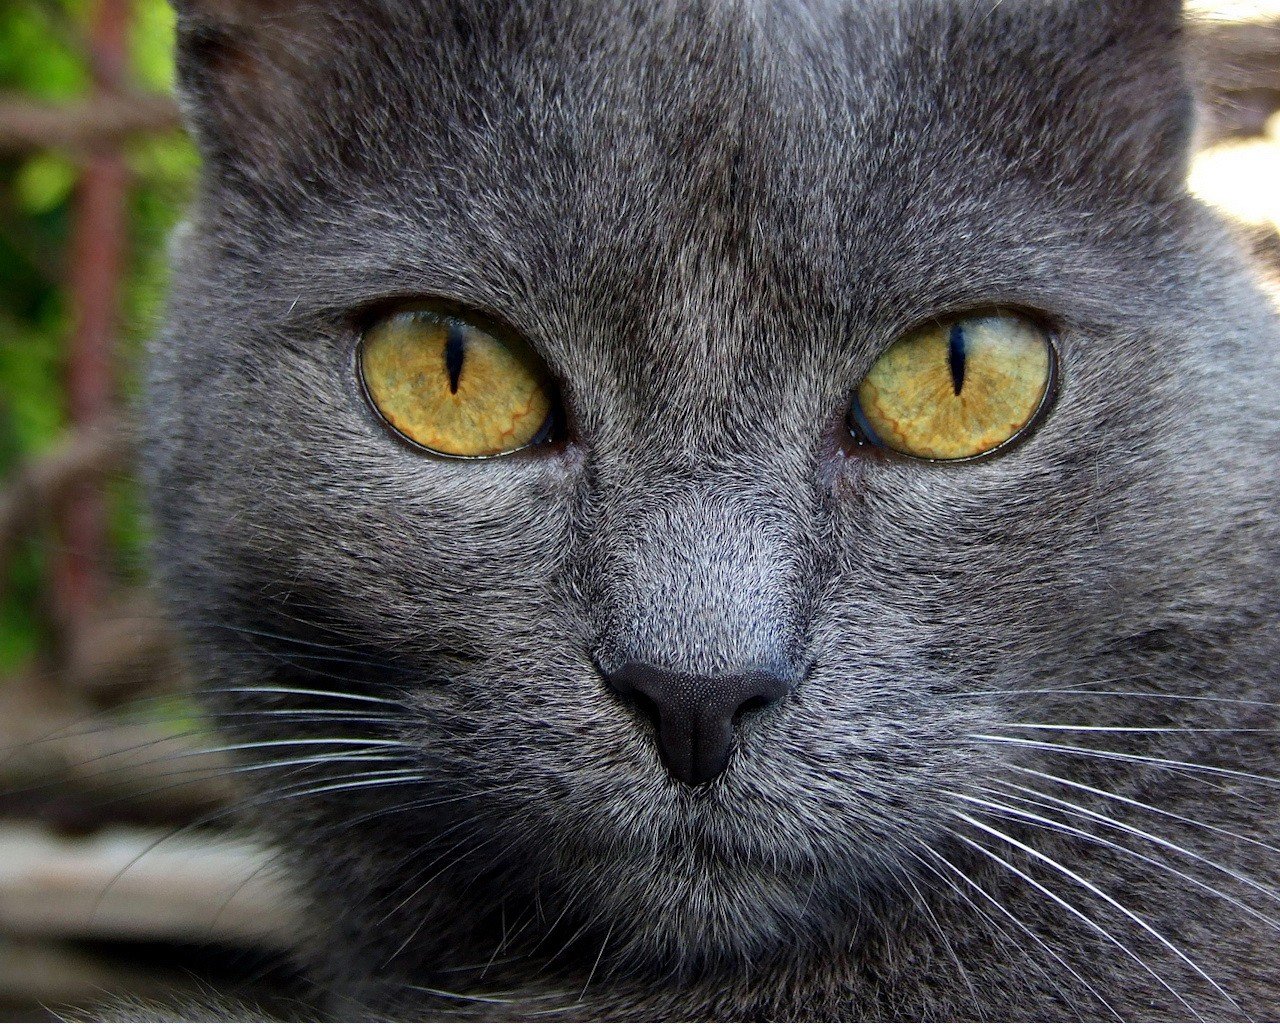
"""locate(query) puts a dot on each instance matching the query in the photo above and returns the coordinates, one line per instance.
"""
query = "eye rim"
(864, 436)
(549, 435)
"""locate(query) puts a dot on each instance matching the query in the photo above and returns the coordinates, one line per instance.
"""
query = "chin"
(690, 911)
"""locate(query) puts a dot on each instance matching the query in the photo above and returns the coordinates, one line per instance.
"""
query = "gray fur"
(710, 217)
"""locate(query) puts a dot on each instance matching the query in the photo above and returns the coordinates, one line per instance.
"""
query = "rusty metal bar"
(96, 259)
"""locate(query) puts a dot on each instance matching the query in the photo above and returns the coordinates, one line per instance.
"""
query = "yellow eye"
(454, 388)
(957, 389)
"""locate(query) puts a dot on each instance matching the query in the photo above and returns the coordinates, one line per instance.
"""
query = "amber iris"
(957, 389)
(453, 387)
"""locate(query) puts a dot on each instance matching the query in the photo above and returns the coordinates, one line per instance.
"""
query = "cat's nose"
(695, 713)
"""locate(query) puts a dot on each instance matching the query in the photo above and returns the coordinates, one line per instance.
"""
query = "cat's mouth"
(693, 877)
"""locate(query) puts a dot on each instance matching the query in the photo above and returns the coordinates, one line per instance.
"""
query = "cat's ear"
(249, 72)
(1140, 97)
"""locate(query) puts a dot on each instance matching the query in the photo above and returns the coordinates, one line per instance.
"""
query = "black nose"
(696, 713)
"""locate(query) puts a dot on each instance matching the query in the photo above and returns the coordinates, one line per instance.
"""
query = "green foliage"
(42, 57)
(38, 52)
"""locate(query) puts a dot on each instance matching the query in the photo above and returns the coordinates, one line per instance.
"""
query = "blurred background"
(119, 871)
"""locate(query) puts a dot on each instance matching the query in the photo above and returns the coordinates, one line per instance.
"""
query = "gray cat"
(742, 509)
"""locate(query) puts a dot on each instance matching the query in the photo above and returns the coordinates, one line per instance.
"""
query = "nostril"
(645, 704)
(763, 688)
(755, 703)
(696, 714)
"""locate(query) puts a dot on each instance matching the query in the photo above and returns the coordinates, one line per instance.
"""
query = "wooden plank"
(140, 885)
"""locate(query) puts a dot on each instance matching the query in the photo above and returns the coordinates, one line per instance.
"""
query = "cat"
(823, 565)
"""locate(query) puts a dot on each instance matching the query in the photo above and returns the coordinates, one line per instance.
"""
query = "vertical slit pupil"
(956, 354)
(455, 351)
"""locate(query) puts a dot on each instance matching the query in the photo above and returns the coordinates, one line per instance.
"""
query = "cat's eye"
(454, 387)
(959, 388)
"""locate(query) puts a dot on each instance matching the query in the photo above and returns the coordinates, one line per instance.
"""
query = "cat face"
(708, 224)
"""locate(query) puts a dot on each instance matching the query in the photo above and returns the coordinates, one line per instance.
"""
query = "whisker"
(1106, 794)
(319, 759)
(326, 741)
(1023, 927)
(471, 851)
(268, 798)
(310, 715)
(1105, 897)
(1082, 692)
(312, 671)
(294, 641)
(361, 745)
(1114, 755)
(461, 996)
(240, 807)
(582, 929)
(1077, 913)
(168, 737)
(1063, 827)
(500, 998)
(1067, 727)
(302, 692)
(137, 716)
(419, 872)
(922, 905)
(1037, 797)
(403, 775)
(596, 966)
(186, 774)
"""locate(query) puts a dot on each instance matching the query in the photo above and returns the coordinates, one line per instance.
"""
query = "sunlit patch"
(957, 389)
(1239, 178)
(452, 387)
(1233, 10)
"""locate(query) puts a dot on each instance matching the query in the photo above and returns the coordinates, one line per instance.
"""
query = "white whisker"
(1063, 827)
(1067, 727)
(922, 904)
(1077, 913)
(360, 782)
(1105, 897)
(1114, 755)
(1130, 801)
(1021, 926)
(1082, 692)
(1149, 837)
(302, 692)
(345, 741)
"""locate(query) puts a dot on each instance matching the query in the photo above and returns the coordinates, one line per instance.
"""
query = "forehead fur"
(278, 89)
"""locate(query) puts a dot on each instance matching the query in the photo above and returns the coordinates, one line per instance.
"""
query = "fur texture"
(710, 218)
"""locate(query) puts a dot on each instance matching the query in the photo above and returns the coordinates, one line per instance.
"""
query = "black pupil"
(956, 355)
(455, 350)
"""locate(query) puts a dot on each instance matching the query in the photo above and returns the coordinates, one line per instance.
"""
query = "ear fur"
(1092, 93)
(1141, 96)
(248, 73)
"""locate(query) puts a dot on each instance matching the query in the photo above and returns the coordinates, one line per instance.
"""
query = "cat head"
(708, 222)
